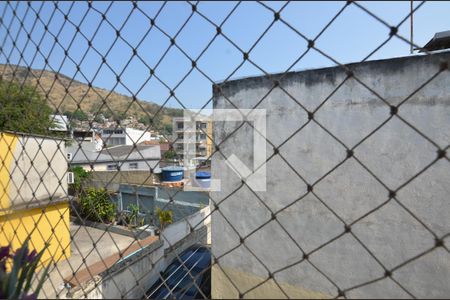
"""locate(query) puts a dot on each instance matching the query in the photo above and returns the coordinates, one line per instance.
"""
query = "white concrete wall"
(130, 135)
(124, 166)
(179, 230)
(394, 154)
(136, 136)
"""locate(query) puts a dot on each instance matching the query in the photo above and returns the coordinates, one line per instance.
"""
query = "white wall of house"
(124, 136)
(129, 165)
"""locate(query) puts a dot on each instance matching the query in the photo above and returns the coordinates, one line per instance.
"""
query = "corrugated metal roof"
(87, 153)
(124, 150)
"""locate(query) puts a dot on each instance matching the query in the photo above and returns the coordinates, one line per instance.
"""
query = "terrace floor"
(83, 237)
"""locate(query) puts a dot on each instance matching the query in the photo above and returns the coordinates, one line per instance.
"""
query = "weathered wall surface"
(394, 154)
(111, 180)
(34, 170)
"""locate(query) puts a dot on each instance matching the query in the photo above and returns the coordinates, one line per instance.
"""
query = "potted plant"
(165, 217)
(17, 270)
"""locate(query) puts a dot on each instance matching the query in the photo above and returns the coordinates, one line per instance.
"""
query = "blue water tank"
(172, 173)
(203, 179)
(203, 175)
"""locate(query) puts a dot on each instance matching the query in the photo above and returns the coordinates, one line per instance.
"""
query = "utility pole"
(411, 27)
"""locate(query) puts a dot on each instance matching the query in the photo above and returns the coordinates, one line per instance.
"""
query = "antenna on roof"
(411, 27)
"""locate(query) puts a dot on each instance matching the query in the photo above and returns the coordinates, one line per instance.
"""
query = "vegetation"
(134, 213)
(165, 217)
(23, 109)
(16, 283)
(168, 129)
(170, 154)
(107, 114)
(92, 97)
(96, 205)
(77, 115)
(98, 118)
(119, 116)
(80, 177)
(130, 217)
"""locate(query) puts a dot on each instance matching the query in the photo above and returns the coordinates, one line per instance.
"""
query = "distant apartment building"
(203, 129)
(124, 136)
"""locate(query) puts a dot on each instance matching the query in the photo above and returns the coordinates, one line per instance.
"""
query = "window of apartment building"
(202, 136)
(118, 131)
(111, 167)
(180, 147)
(107, 131)
(115, 141)
(133, 165)
(180, 125)
(200, 125)
(180, 136)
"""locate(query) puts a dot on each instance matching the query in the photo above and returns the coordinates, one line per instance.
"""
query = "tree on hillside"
(154, 122)
(76, 115)
(119, 116)
(79, 115)
(22, 109)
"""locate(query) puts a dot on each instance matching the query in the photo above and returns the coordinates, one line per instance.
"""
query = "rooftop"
(85, 153)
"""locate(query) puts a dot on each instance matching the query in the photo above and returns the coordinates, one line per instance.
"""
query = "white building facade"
(121, 157)
(124, 136)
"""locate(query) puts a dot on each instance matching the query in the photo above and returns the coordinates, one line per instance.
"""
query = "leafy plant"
(133, 215)
(80, 177)
(79, 115)
(16, 283)
(96, 205)
(170, 154)
(165, 217)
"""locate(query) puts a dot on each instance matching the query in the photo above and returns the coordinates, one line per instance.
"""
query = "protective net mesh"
(116, 230)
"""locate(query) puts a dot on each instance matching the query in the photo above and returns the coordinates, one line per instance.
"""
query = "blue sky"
(350, 38)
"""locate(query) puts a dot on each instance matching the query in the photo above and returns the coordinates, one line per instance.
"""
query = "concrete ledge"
(113, 228)
(35, 204)
(115, 262)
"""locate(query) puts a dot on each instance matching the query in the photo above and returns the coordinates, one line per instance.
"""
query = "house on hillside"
(61, 123)
(121, 157)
